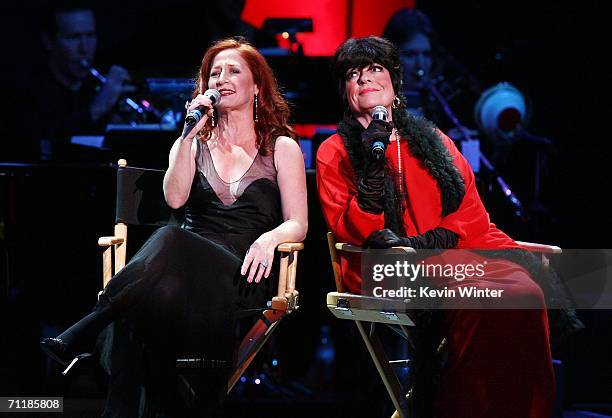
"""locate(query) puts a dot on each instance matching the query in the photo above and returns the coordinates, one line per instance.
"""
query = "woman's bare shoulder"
(284, 143)
(287, 151)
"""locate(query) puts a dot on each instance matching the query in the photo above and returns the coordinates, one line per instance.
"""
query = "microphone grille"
(380, 113)
(213, 95)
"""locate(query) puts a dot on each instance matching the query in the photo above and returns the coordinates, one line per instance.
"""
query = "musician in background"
(66, 99)
(428, 66)
(426, 63)
(411, 31)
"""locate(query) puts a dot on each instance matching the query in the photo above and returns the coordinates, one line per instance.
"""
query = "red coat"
(349, 223)
(499, 362)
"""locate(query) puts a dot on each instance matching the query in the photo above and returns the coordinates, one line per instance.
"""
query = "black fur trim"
(426, 146)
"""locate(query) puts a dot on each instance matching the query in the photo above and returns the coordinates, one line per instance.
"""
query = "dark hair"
(272, 108)
(405, 24)
(361, 52)
(49, 20)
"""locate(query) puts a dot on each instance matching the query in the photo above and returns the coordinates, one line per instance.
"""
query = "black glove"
(437, 238)
(371, 186)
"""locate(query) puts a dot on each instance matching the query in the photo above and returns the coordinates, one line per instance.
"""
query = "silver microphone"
(194, 116)
(380, 113)
(378, 147)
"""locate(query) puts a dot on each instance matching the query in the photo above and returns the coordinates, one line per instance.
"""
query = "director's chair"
(368, 311)
(140, 201)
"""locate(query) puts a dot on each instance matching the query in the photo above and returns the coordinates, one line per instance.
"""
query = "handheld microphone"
(194, 116)
(378, 147)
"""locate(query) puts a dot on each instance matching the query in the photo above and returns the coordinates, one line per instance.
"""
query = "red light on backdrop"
(370, 18)
(329, 19)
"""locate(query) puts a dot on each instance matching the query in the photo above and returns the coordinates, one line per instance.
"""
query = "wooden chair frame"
(367, 311)
(284, 303)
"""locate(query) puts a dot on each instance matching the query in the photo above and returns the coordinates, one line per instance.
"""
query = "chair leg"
(252, 343)
(388, 376)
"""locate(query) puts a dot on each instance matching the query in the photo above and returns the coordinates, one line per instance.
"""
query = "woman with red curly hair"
(240, 175)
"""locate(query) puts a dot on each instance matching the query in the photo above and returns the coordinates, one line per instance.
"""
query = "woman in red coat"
(419, 191)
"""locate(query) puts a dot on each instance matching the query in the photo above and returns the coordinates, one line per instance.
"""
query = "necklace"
(400, 179)
(400, 195)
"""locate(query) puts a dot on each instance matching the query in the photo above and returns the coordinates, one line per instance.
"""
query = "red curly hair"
(272, 110)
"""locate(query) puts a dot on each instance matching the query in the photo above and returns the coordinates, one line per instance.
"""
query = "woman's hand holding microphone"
(198, 111)
(371, 186)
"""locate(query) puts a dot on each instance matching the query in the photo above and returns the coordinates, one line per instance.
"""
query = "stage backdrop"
(333, 21)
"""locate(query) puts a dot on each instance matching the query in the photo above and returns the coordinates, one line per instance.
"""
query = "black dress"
(182, 292)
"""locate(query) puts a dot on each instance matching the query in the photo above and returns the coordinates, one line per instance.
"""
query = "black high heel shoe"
(59, 351)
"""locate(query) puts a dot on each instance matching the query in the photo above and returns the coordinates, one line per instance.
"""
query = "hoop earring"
(255, 104)
(396, 102)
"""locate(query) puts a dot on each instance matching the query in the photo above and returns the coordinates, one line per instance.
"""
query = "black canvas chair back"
(140, 198)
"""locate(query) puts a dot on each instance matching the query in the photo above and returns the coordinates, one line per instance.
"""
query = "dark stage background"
(52, 215)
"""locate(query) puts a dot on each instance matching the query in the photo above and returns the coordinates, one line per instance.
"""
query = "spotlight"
(500, 110)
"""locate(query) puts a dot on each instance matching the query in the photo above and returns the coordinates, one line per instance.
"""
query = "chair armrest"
(287, 297)
(350, 248)
(540, 248)
(108, 241)
(107, 256)
(290, 246)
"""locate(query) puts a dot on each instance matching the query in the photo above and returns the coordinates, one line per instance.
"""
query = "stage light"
(500, 110)
(285, 31)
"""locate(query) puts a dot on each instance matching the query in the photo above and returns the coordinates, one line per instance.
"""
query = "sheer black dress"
(183, 292)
